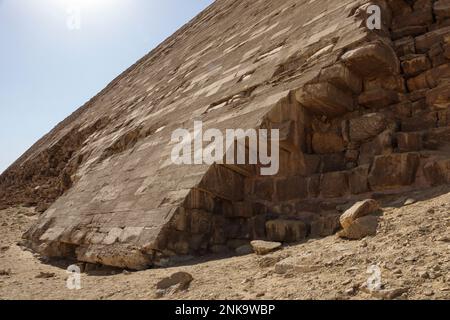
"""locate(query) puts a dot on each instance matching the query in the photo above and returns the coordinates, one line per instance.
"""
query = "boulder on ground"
(359, 210)
(360, 228)
(264, 247)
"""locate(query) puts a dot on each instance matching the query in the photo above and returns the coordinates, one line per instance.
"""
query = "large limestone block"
(358, 210)
(378, 98)
(439, 97)
(334, 184)
(286, 230)
(372, 60)
(325, 99)
(264, 247)
(341, 77)
(426, 41)
(437, 172)
(327, 142)
(442, 8)
(360, 228)
(394, 170)
(429, 79)
(366, 127)
(413, 65)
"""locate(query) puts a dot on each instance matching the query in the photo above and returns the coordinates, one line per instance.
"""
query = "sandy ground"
(411, 249)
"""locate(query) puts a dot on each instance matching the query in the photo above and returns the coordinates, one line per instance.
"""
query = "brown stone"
(409, 141)
(286, 230)
(366, 127)
(439, 97)
(341, 77)
(420, 122)
(360, 228)
(358, 180)
(327, 142)
(437, 172)
(429, 79)
(378, 98)
(382, 144)
(334, 184)
(325, 99)
(405, 46)
(442, 8)
(413, 65)
(372, 60)
(291, 188)
(359, 210)
(265, 247)
(394, 170)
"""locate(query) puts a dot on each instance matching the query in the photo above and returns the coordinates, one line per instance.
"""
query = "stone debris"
(45, 275)
(359, 210)
(265, 247)
(5, 272)
(360, 220)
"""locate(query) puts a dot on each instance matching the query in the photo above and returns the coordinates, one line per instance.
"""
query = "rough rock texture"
(310, 68)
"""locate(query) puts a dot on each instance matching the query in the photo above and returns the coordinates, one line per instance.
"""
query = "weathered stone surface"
(358, 210)
(420, 122)
(366, 127)
(395, 170)
(439, 97)
(265, 247)
(429, 79)
(413, 65)
(437, 172)
(409, 141)
(358, 180)
(334, 184)
(325, 99)
(360, 228)
(442, 8)
(286, 230)
(327, 142)
(372, 60)
(295, 265)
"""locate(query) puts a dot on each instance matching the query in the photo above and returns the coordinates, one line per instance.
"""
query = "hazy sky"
(57, 54)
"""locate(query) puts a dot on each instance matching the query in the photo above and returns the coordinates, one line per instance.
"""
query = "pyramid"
(360, 112)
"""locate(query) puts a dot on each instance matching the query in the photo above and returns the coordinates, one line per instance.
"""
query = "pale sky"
(57, 54)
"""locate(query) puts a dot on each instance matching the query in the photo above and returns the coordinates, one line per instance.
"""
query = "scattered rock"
(360, 228)
(177, 282)
(359, 210)
(409, 202)
(269, 261)
(6, 272)
(265, 247)
(45, 275)
(388, 294)
(428, 293)
(295, 264)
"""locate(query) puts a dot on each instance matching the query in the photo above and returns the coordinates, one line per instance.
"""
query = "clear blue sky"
(57, 54)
